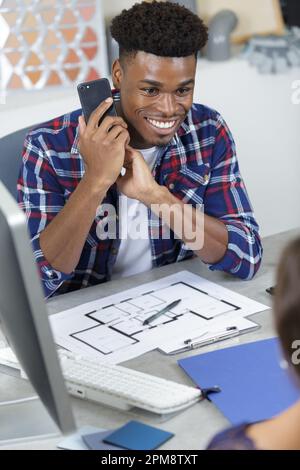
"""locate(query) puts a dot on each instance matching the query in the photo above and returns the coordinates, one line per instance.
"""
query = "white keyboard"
(124, 388)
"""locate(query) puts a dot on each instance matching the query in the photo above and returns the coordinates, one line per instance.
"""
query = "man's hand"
(103, 147)
(138, 182)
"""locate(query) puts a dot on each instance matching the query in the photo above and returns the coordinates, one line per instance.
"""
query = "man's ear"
(117, 74)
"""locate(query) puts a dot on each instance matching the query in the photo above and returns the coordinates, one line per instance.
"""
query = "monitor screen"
(23, 314)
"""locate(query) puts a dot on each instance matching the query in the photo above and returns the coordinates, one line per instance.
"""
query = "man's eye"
(150, 91)
(183, 91)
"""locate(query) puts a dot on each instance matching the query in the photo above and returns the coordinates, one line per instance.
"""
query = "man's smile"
(163, 127)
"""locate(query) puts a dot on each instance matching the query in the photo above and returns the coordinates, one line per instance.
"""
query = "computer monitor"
(24, 321)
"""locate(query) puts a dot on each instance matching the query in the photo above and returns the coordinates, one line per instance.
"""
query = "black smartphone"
(91, 94)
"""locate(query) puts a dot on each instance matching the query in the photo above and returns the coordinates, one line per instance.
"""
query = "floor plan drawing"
(113, 328)
(118, 325)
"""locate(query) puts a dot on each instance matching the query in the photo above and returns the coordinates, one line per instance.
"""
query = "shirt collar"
(74, 149)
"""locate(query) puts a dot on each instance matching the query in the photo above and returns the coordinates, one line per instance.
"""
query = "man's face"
(156, 95)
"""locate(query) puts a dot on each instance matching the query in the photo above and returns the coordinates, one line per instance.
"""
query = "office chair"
(10, 158)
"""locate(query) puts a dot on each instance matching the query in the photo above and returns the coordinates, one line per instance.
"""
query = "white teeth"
(162, 125)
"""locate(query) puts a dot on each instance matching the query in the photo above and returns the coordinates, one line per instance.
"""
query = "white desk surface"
(195, 426)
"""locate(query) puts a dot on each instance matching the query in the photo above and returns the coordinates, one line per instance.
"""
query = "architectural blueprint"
(112, 328)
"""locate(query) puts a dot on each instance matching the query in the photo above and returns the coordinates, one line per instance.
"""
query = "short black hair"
(164, 29)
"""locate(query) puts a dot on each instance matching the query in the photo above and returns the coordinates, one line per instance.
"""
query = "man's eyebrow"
(155, 83)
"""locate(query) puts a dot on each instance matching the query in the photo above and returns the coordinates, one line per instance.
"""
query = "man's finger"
(127, 141)
(132, 153)
(82, 125)
(98, 113)
(115, 132)
(109, 122)
(128, 158)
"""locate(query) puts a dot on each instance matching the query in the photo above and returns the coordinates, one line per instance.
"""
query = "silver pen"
(215, 339)
(190, 340)
(229, 333)
(228, 329)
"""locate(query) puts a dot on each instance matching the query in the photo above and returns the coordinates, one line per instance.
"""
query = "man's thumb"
(82, 124)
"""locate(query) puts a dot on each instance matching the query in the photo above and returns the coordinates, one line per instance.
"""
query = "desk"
(195, 426)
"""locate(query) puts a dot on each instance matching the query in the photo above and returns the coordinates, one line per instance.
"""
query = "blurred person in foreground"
(283, 431)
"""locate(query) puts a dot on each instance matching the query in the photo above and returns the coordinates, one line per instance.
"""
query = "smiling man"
(180, 193)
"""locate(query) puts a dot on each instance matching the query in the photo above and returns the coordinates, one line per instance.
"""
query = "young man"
(177, 155)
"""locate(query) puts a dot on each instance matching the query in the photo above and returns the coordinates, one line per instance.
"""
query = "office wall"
(110, 9)
(265, 124)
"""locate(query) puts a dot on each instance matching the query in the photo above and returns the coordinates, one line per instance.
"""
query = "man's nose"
(168, 105)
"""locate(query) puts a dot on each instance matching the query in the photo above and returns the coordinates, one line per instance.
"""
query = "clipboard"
(207, 337)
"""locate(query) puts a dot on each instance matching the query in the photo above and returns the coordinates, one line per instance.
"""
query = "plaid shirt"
(199, 166)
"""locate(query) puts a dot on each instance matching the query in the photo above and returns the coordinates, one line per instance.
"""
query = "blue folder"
(254, 386)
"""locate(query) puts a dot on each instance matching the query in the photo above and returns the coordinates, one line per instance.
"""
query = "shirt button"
(206, 179)
(114, 251)
(171, 186)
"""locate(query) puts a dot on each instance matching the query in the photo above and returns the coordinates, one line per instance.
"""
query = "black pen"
(161, 312)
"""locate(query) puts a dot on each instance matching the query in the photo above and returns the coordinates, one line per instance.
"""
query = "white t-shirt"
(134, 254)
